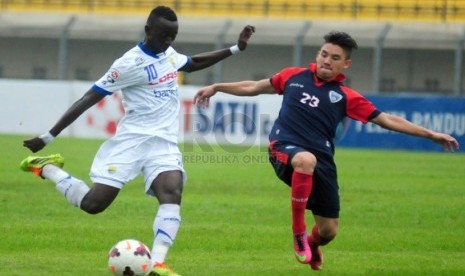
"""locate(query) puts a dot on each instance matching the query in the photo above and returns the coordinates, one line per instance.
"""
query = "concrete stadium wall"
(403, 70)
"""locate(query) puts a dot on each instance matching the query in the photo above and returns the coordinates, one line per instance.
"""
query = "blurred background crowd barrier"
(406, 46)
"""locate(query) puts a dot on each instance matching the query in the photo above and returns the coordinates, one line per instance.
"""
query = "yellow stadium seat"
(384, 10)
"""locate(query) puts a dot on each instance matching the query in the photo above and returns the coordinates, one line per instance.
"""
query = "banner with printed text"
(32, 107)
(441, 114)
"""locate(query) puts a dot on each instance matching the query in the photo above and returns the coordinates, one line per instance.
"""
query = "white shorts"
(121, 159)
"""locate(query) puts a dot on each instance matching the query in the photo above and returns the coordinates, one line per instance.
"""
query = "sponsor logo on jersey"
(165, 93)
(296, 85)
(139, 61)
(334, 97)
(168, 77)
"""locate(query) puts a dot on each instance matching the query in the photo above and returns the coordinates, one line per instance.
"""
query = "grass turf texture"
(402, 213)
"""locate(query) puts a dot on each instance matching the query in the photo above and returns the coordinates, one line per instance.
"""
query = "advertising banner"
(441, 114)
(32, 107)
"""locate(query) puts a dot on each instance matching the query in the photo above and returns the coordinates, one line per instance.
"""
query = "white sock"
(72, 188)
(165, 228)
(54, 173)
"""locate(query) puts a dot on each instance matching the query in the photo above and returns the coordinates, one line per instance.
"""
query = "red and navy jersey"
(312, 109)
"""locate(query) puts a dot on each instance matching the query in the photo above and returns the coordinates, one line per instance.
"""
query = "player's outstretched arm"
(399, 124)
(241, 88)
(204, 60)
(85, 102)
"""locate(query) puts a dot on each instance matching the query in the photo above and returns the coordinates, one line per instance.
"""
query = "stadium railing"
(399, 10)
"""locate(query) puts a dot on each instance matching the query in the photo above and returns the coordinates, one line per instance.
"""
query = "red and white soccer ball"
(129, 257)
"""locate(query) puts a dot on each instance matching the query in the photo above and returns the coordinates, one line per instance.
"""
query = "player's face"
(161, 34)
(331, 61)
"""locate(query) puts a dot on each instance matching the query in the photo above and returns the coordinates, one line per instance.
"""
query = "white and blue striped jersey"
(149, 86)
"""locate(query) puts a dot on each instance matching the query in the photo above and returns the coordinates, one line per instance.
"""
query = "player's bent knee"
(93, 210)
(304, 162)
(92, 207)
(98, 198)
(328, 233)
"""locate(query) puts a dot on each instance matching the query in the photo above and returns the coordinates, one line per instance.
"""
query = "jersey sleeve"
(278, 81)
(358, 107)
(179, 60)
(182, 61)
(121, 74)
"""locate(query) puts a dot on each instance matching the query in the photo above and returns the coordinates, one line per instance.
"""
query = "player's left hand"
(448, 142)
(244, 37)
(34, 144)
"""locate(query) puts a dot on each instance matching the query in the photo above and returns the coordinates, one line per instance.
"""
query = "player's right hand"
(34, 144)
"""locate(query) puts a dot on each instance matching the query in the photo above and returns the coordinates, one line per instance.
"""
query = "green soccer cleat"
(160, 269)
(35, 164)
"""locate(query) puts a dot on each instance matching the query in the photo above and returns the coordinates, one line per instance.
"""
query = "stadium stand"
(399, 10)
(398, 39)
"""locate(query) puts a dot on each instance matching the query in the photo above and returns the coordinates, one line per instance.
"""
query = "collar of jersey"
(148, 52)
(339, 78)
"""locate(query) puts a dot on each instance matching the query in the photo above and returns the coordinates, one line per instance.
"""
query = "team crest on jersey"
(171, 60)
(112, 76)
(334, 97)
(112, 169)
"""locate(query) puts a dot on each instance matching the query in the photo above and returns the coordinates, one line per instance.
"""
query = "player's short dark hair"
(342, 39)
(162, 11)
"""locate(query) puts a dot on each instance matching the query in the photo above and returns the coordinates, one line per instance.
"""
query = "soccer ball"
(129, 257)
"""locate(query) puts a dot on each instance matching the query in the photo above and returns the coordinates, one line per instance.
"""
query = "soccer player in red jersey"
(301, 149)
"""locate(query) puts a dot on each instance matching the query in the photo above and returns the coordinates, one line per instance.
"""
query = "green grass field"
(402, 213)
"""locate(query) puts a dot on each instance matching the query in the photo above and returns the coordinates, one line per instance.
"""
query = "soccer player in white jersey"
(146, 137)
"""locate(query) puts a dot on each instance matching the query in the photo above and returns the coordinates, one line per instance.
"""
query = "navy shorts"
(324, 199)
